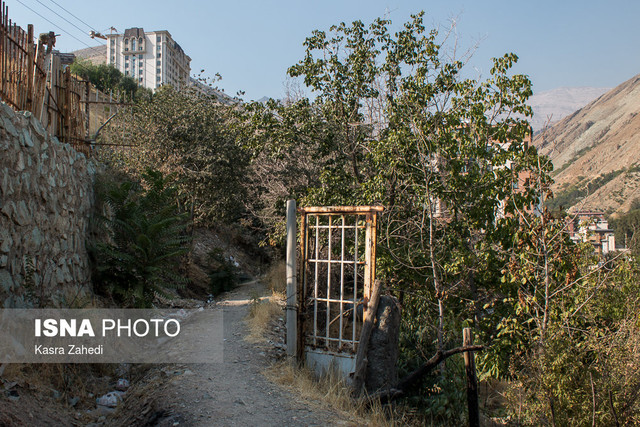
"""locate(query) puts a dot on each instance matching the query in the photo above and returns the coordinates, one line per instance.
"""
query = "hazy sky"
(251, 43)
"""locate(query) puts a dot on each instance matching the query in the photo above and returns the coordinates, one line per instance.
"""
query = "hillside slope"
(553, 105)
(596, 151)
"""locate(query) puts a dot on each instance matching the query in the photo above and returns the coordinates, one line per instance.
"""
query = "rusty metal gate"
(337, 270)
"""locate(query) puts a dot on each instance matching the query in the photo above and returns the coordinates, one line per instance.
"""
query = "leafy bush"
(143, 237)
(193, 136)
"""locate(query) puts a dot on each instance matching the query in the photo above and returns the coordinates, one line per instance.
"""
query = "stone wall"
(46, 194)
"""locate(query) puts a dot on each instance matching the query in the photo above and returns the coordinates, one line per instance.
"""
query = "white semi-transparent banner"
(111, 336)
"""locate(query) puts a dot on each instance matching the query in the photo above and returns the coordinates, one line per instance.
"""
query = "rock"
(111, 399)
(8, 208)
(5, 241)
(6, 281)
(22, 215)
(20, 163)
(37, 126)
(26, 138)
(36, 239)
(122, 384)
(382, 354)
(9, 127)
(5, 186)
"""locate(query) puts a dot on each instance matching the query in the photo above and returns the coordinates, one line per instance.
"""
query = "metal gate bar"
(332, 292)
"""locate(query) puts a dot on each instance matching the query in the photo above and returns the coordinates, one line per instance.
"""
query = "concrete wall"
(46, 195)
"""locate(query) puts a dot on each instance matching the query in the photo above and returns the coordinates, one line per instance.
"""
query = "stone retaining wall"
(46, 195)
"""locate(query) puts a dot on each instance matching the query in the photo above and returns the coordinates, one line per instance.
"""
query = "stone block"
(382, 354)
(37, 127)
(35, 239)
(20, 162)
(8, 209)
(5, 184)
(26, 139)
(9, 127)
(26, 183)
(6, 281)
(7, 110)
(6, 242)
(22, 214)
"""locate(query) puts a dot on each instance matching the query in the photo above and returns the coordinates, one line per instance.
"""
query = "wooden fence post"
(359, 375)
(472, 381)
(292, 303)
(67, 107)
(31, 66)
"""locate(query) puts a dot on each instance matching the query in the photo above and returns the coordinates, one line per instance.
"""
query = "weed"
(262, 313)
(276, 277)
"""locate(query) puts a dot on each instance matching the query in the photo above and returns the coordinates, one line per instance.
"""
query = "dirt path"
(233, 392)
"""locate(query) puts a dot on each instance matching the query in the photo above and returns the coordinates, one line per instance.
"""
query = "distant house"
(151, 58)
(593, 227)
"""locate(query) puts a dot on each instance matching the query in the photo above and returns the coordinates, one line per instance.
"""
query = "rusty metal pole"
(292, 324)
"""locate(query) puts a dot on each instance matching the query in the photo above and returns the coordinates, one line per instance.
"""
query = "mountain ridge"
(596, 151)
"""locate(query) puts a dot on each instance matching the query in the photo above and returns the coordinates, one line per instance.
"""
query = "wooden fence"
(32, 78)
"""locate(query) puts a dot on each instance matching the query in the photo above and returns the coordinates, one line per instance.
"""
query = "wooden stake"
(31, 66)
(472, 382)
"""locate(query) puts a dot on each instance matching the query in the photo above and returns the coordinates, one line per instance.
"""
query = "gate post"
(292, 303)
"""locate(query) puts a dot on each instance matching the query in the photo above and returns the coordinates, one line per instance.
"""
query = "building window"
(126, 65)
(126, 73)
(158, 70)
(158, 63)
(159, 55)
(140, 79)
(139, 56)
(141, 63)
(158, 39)
(126, 42)
(157, 78)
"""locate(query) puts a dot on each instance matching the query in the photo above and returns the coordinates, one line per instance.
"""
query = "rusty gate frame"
(308, 274)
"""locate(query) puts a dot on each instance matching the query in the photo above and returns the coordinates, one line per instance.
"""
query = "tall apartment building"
(152, 58)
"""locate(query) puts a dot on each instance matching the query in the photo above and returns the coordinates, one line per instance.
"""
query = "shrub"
(143, 239)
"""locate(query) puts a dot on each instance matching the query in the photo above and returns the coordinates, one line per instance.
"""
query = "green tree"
(398, 124)
(107, 78)
(193, 136)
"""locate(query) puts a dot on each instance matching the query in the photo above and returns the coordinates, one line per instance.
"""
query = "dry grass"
(263, 312)
(329, 392)
(276, 277)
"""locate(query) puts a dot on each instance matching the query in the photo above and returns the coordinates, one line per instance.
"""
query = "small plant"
(32, 292)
